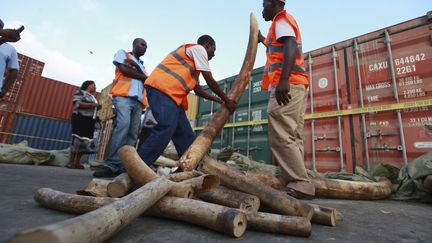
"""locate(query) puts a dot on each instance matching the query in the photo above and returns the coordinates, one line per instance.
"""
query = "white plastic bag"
(149, 121)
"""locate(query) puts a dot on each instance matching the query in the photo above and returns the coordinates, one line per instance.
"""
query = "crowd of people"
(165, 91)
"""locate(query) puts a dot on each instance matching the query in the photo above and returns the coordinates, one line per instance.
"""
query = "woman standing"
(85, 107)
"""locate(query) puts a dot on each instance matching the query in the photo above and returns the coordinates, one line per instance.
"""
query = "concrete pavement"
(364, 221)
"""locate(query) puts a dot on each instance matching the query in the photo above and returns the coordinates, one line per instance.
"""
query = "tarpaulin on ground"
(411, 180)
(22, 154)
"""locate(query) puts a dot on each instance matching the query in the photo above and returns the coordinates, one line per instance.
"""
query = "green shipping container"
(248, 140)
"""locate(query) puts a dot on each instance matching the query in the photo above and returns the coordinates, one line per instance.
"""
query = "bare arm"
(200, 92)
(10, 35)
(261, 38)
(85, 105)
(130, 72)
(214, 86)
(10, 78)
(289, 55)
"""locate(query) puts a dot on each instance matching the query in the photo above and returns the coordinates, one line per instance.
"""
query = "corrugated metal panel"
(46, 97)
(42, 133)
(7, 119)
(396, 67)
(29, 66)
(105, 100)
(191, 113)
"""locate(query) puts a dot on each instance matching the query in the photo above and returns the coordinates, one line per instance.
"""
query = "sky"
(78, 39)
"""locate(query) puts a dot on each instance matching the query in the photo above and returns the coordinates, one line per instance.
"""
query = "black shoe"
(105, 172)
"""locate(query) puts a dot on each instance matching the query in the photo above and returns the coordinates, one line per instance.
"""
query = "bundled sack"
(414, 180)
(22, 154)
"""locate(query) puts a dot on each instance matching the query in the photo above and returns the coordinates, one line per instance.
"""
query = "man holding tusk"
(167, 89)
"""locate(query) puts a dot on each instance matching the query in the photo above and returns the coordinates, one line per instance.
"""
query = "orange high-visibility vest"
(274, 52)
(175, 76)
(121, 84)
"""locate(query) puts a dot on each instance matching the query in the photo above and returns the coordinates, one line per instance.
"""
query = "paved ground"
(364, 221)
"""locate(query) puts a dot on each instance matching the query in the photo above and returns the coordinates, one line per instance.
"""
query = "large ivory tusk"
(196, 151)
(99, 225)
(282, 224)
(342, 189)
(140, 173)
(219, 218)
(119, 186)
(231, 198)
(273, 198)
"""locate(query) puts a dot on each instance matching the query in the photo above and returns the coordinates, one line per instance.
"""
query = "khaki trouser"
(285, 127)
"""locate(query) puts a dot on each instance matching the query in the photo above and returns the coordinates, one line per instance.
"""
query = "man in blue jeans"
(128, 99)
(167, 89)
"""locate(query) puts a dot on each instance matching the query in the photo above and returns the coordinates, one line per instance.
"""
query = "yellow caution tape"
(29, 136)
(354, 111)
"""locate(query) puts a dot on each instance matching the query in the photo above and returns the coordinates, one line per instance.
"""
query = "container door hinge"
(324, 137)
(386, 147)
(329, 149)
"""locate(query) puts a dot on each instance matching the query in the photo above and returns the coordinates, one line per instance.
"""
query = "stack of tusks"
(171, 197)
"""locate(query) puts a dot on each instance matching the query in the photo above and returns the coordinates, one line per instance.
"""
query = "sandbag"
(22, 154)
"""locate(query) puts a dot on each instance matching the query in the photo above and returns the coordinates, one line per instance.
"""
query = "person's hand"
(218, 100)
(231, 105)
(282, 93)
(261, 38)
(11, 35)
(131, 63)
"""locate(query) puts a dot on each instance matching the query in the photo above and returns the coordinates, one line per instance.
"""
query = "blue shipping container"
(41, 132)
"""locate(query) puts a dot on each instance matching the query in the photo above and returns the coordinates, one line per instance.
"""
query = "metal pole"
(334, 56)
(249, 116)
(233, 130)
(396, 95)
(222, 130)
(363, 116)
(310, 62)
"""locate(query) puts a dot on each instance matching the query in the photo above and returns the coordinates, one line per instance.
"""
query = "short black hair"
(206, 39)
(136, 40)
(1, 24)
(86, 84)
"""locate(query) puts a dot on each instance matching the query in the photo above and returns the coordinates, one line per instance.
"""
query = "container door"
(395, 70)
(327, 146)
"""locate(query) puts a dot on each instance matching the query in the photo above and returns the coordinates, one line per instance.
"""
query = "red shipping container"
(384, 70)
(46, 97)
(29, 66)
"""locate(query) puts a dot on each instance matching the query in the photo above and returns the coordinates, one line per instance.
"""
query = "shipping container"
(27, 66)
(41, 132)
(191, 113)
(46, 97)
(369, 101)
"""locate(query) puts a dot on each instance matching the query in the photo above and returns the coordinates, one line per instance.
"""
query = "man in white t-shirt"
(8, 58)
(286, 80)
(167, 89)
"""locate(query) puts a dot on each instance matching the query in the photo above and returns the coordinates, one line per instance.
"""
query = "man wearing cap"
(286, 80)
(8, 58)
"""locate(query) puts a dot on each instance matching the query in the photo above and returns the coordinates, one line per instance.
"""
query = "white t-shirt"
(284, 29)
(200, 57)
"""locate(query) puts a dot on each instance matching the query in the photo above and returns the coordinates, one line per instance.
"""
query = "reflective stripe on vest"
(279, 49)
(277, 65)
(121, 83)
(175, 76)
(275, 56)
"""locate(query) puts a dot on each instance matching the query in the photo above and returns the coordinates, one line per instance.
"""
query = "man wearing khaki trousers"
(285, 78)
